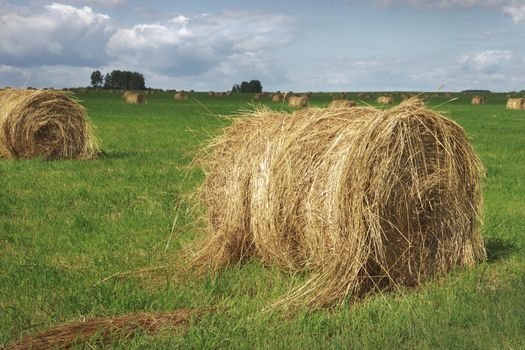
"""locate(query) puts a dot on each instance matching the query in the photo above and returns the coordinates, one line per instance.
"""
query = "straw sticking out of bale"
(478, 100)
(360, 198)
(516, 103)
(44, 123)
(135, 98)
(385, 100)
(342, 104)
(298, 101)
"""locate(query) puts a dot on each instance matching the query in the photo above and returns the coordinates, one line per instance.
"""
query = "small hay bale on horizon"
(298, 101)
(135, 98)
(278, 98)
(385, 100)
(342, 103)
(478, 100)
(516, 103)
(360, 199)
(49, 124)
(180, 96)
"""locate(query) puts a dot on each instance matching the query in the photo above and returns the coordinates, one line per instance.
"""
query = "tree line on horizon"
(118, 79)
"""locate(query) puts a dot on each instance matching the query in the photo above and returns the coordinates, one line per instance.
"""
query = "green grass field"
(73, 234)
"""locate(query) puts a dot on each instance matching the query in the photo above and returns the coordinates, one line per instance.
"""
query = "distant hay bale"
(298, 101)
(277, 98)
(342, 104)
(211, 93)
(135, 98)
(361, 199)
(125, 94)
(44, 123)
(478, 100)
(516, 103)
(259, 96)
(179, 96)
(384, 100)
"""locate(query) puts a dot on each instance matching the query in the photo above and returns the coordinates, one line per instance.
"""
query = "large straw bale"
(361, 199)
(44, 123)
(516, 103)
(298, 101)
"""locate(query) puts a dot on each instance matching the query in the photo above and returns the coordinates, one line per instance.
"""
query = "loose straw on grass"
(104, 329)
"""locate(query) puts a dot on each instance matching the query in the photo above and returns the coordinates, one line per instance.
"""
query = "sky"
(307, 45)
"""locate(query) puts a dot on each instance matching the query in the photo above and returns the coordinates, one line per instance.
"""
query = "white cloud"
(227, 42)
(55, 34)
(516, 13)
(491, 60)
(515, 9)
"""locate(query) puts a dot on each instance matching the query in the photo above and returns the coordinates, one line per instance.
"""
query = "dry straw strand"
(70, 334)
(44, 123)
(360, 198)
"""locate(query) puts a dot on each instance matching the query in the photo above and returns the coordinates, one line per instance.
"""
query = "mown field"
(96, 238)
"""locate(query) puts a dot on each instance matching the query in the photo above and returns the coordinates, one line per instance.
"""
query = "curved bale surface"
(44, 123)
(363, 199)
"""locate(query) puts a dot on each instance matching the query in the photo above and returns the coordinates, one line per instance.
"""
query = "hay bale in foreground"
(384, 100)
(44, 123)
(342, 104)
(516, 103)
(360, 198)
(135, 98)
(478, 100)
(298, 101)
(179, 96)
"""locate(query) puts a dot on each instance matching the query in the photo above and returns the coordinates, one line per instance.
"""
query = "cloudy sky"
(307, 45)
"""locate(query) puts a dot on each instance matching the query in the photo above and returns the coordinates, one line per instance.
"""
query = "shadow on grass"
(117, 154)
(499, 248)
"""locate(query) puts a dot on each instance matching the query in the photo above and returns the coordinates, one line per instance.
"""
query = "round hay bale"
(342, 104)
(125, 94)
(478, 100)
(259, 96)
(385, 100)
(179, 96)
(44, 123)
(362, 199)
(277, 98)
(516, 103)
(298, 101)
(135, 98)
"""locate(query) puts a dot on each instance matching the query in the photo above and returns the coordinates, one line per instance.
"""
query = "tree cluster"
(118, 79)
(245, 86)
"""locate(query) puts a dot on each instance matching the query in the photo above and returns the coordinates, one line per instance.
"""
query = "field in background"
(74, 234)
